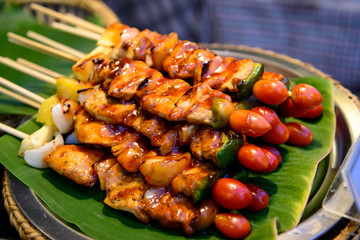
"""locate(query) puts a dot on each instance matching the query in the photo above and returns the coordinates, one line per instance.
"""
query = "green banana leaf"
(13, 19)
(289, 187)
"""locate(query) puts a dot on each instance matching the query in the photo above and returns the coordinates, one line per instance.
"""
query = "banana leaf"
(289, 187)
(13, 19)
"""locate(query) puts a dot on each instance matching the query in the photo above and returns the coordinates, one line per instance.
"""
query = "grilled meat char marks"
(179, 59)
(129, 192)
(131, 94)
(170, 138)
(160, 132)
(128, 146)
(172, 99)
(75, 163)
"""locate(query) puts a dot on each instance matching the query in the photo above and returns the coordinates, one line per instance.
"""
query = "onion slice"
(36, 139)
(84, 94)
(35, 157)
(63, 122)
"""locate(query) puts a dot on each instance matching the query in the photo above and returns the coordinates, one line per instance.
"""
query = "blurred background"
(324, 33)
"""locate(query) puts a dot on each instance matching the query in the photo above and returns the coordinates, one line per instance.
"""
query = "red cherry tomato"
(270, 92)
(231, 193)
(306, 96)
(290, 110)
(314, 112)
(269, 114)
(253, 157)
(272, 159)
(232, 225)
(249, 123)
(275, 152)
(299, 134)
(260, 198)
(277, 135)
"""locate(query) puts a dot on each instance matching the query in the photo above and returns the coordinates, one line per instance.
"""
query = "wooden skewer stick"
(13, 131)
(55, 44)
(84, 24)
(39, 68)
(13, 64)
(17, 39)
(21, 90)
(20, 98)
(68, 19)
(75, 31)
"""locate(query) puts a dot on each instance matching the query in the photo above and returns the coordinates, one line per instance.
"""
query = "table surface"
(6, 230)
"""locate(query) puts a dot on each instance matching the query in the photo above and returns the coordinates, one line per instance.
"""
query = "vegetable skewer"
(169, 138)
(180, 59)
(178, 111)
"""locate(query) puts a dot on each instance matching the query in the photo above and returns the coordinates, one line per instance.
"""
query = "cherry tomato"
(274, 151)
(299, 134)
(260, 198)
(290, 110)
(231, 193)
(306, 96)
(313, 112)
(272, 159)
(270, 92)
(277, 135)
(207, 213)
(252, 157)
(232, 225)
(269, 114)
(249, 123)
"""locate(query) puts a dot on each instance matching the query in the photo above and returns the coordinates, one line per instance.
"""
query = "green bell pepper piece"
(241, 174)
(203, 186)
(196, 181)
(246, 86)
(222, 110)
(227, 154)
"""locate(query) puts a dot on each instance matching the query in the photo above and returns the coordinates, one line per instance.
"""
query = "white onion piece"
(154, 193)
(86, 93)
(35, 157)
(36, 139)
(72, 139)
(64, 123)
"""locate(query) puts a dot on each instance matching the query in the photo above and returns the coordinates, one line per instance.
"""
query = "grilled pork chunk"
(178, 58)
(125, 191)
(75, 163)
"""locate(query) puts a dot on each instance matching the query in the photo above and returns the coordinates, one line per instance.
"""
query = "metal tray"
(316, 225)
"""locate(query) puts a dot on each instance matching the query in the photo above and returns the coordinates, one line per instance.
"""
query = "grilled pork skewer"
(181, 59)
(133, 155)
(219, 147)
(204, 142)
(173, 99)
(129, 191)
(132, 150)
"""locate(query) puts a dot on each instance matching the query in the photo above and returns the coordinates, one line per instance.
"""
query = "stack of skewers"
(167, 128)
